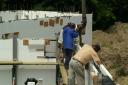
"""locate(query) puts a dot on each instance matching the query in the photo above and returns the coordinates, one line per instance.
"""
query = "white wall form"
(6, 55)
(31, 29)
(11, 15)
(29, 52)
(87, 38)
(47, 74)
(26, 53)
(5, 76)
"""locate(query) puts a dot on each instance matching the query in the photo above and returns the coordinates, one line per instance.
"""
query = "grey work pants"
(76, 72)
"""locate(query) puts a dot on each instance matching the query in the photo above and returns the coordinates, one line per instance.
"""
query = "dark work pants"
(67, 56)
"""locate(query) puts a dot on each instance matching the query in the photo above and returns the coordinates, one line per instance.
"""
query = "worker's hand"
(61, 57)
(59, 45)
(77, 27)
(98, 62)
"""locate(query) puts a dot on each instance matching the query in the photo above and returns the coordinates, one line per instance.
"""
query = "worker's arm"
(96, 58)
(60, 39)
(75, 33)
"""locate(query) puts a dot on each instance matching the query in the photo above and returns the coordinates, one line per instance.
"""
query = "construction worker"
(79, 60)
(60, 43)
(69, 34)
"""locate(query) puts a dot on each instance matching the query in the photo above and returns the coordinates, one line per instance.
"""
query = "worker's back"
(68, 37)
(85, 54)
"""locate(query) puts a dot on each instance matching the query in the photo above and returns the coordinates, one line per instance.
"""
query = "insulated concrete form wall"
(6, 47)
(5, 76)
(45, 73)
(29, 52)
(87, 38)
(21, 14)
(25, 53)
(6, 54)
(33, 29)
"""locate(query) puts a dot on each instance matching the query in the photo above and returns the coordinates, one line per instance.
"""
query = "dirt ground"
(114, 53)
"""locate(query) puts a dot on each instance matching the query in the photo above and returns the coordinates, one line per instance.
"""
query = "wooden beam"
(26, 63)
(64, 74)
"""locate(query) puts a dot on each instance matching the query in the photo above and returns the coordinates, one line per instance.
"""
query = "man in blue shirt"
(69, 34)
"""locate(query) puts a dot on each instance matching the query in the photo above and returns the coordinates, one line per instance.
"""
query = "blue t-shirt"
(68, 37)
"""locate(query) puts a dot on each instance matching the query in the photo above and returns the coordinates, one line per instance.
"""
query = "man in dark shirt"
(69, 34)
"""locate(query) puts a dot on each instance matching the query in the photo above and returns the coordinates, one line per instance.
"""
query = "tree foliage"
(105, 12)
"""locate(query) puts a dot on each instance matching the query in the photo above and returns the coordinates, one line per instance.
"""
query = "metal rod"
(84, 21)
(15, 47)
(84, 11)
(14, 69)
